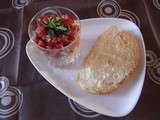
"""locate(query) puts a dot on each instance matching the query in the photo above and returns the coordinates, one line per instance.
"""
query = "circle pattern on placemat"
(10, 102)
(81, 110)
(151, 58)
(111, 8)
(20, 3)
(130, 16)
(6, 41)
(108, 8)
(156, 3)
(154, 72)
(4, 84)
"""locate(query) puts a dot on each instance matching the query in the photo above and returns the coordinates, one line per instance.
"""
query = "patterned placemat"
(26, 95)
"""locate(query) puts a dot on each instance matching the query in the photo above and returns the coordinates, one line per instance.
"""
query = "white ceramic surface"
(117, 104)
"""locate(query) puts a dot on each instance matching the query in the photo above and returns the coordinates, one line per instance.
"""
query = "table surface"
(26, 95)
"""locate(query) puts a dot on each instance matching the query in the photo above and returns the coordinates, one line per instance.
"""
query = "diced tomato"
(58, 46)
(71, 33)
(70, 37)
(67, 20)
(54, 39)
(42, 18)
(75, 27)
(50, 44)
(41, 31)
(41, 43)
(53, 42)
(34, 26)
(65, 43)
(36, 41)
(57, 41)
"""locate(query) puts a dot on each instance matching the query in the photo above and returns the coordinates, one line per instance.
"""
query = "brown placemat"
(28, 96)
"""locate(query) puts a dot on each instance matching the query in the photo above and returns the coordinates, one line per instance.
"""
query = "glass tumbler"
(63, 56)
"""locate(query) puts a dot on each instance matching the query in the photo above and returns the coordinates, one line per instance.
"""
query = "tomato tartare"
(55, 32)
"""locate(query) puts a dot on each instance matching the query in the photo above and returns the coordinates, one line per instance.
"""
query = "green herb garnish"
(51, 32)
(55, 27)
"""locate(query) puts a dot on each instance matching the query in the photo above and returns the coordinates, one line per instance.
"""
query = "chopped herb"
(45, 22)
(55, 27)
(51, 32)
(62, 28)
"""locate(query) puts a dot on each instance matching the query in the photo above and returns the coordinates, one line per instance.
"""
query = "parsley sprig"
(55, 27)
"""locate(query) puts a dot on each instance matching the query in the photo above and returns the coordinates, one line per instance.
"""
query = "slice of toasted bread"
(112, 59)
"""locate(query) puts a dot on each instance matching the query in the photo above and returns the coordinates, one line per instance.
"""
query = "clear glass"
(67, 54)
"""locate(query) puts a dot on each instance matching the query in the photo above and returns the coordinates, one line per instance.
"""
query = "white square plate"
(119, 103)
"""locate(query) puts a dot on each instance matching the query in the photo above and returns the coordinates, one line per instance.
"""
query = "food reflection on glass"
(56, 31)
